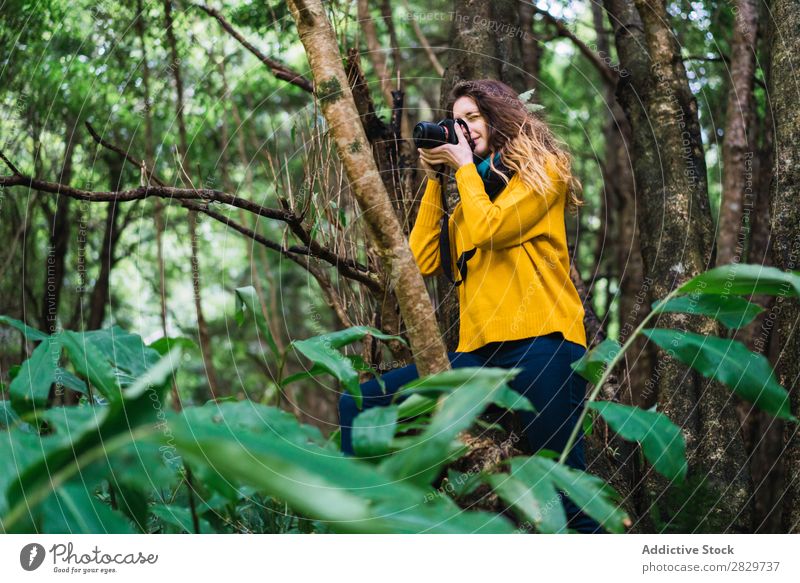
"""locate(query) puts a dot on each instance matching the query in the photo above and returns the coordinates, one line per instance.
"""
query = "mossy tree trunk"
(676, 238)
(336, 100)
(785, 226)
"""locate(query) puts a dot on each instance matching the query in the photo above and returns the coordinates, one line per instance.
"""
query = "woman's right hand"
(430, 171)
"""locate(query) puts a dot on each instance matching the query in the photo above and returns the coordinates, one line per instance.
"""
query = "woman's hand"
(453, 155)
(430, 171)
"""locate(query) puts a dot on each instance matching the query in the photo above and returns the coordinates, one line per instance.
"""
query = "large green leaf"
(72, 509)
(27, 331)
(416, 405)
(475, 389)
(323, 350)
(8, 417)
(662, 441)
(745, 279)
(729, 362)
(166, 343)
(373, 431)
(31, 386)
(350, 495)
(448, 381)
(93, 364)
(91, 441)
(536, 502)
(257, 418)
(592, 365)
(596, 498)
(732, 311)
(125, 350)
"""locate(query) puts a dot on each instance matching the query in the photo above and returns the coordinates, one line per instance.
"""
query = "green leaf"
(350, 495)
(729, 362)
(373, 431)
(448, 381)
(70, 381)
(247, 299)
(92, 439)
(125, 351)
(476, 388)
(8, 417)
(462, 483)
(164, 344)
(538, 503)
(27, 331)
(323, 351)
(72, 509)
(510, 399)
(732, 311)
(315, 371)
(596, 498)
(30, 388)
(415, 405)
(93, 364)
(745, 279)
(662, 441)
(254, 417)
(592, 365)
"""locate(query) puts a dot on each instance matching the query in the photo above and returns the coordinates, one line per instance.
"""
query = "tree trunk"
(202, 327)
(336, 100)
(107, 257)
(763, 433)
(676, 240)
(149, 157)
(59, 242)
(737, 150)
(785, 223)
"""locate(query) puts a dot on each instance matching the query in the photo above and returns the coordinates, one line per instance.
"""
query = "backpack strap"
(445, 254)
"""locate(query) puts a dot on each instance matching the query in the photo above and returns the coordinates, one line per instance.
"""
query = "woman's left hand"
(454, 155)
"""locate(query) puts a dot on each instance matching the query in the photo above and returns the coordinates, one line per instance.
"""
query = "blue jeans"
(555, 390)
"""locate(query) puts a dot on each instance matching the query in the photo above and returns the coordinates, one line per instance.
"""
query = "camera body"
(428, 134)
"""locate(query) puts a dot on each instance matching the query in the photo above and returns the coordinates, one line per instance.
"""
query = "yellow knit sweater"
(518, 282)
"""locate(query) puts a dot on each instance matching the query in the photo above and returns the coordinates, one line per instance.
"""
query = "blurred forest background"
(681, 117)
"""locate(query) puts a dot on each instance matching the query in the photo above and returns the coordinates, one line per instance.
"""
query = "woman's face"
(466, 109)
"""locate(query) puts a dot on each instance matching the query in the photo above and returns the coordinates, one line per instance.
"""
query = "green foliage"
(123, 463)
(732, 311)
(714, 293)
(730, 362)
(661, 440)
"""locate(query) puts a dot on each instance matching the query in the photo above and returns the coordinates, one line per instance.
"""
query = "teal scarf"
(491, 180)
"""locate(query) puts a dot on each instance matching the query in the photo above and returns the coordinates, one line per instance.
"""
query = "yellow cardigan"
(518, 282)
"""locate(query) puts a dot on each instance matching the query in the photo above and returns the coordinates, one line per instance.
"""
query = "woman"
(518, 306)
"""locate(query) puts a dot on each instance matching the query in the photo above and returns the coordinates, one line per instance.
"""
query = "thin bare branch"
(280, 70)
(609, 74)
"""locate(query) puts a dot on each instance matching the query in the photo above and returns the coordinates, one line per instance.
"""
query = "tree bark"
(149, 157)
(336, 99)
(737, 150)
(107, 257)
(785, 223)
(58, 241)
(676, 240)
(202, 327)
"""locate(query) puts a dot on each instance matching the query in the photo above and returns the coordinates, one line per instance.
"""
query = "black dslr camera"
(428, 134)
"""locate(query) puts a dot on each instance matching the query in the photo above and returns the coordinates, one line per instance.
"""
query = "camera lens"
(429, 135)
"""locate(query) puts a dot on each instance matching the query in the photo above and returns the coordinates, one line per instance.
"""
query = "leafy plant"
(716, 293)
(120, 461)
